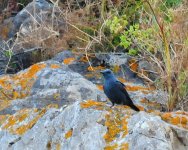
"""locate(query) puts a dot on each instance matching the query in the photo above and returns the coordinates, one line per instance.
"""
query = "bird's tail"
(134, 107)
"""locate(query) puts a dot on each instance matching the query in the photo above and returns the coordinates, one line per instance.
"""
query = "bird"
(115, 90)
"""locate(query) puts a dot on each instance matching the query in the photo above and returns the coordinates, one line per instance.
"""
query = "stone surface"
(50, 106)
(150, 132)
(47, 83)
(94, 125)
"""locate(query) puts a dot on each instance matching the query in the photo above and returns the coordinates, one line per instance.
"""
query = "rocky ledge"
(49, 106)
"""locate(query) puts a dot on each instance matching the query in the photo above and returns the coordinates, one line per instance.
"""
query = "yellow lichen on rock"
(100, 87)
(68, 134)
(124, 146)
(177, 119)
(24, 80)
(55, 66)
(23, 120)
(68, 61)
(95, 68)
(113, 126)
(91, 103)
(111, 147)
(122, 80)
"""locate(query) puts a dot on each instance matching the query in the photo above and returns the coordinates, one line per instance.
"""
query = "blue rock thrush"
(115, 90)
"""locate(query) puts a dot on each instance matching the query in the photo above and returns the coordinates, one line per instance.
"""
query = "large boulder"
(91, 125)
(43, 84)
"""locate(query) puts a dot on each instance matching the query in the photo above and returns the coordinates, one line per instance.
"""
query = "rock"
(149, 68)
(113, 59)
(150, 132)
(181, 134)
(60, 57)
(51, 131)
(93, 125)
(26, 31)
(47, 83)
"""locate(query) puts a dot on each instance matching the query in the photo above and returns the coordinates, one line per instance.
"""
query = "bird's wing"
(121, 86)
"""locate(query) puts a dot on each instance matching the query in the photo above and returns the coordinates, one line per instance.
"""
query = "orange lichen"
(133, 65)
(91, 103)
(84, 58)
(95, 68)
(113, 128)
(166, 116)
(15, 94)
(135, 88)
(22, 129)
(24, 80)
(183, 120)
(124, 146)
(68, 61)
(122, 80)
(175, 120)
(140, 108)
(100, 87)
(12, 124)
(55, 66)
(111, 147)
(68, 134)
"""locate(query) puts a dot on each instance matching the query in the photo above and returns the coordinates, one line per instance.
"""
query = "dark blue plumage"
(115, 90)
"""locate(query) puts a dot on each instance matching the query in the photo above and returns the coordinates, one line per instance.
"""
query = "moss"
(68, 134)
(68, 61)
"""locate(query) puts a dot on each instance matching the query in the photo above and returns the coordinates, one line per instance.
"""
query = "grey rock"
(113, 59)
(62, 55)
(59, 86)
(25, 15)
(150, 68)
(147, 132)
(7, 139)
(52, 127)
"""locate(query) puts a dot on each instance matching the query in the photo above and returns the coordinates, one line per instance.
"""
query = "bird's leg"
(112, 105)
